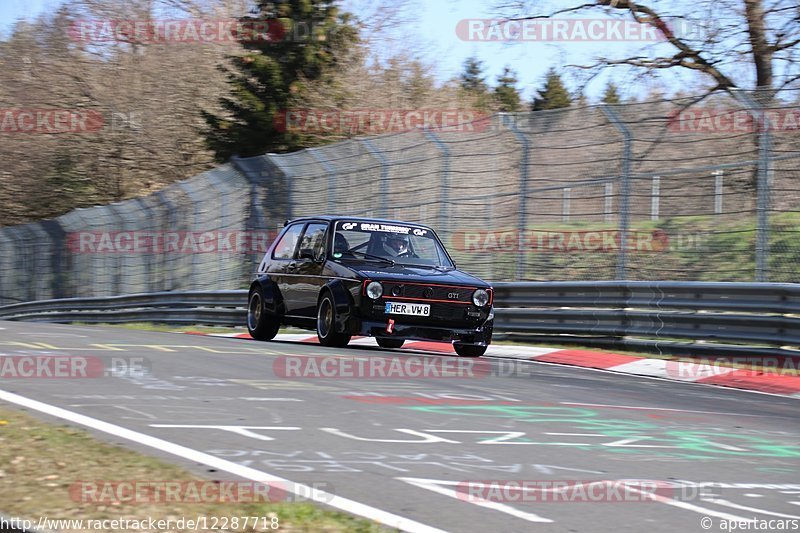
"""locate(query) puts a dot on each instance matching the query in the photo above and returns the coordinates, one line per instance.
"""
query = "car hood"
(420, 275)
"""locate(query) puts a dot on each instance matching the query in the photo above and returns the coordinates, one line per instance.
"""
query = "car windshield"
(399, 243)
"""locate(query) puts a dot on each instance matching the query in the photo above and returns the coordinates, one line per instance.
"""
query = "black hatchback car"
(346, 276)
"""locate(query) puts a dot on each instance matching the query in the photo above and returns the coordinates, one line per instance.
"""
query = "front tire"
(326, 324)
(469, 350)
(260, 324)
(383, 342)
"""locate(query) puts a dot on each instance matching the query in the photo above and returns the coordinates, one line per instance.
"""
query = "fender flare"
(342, 301)
(273, 300)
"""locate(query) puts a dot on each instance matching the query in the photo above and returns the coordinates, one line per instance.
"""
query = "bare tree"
(725, 44)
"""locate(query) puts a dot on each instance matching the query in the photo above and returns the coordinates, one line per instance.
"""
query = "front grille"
(422, 291)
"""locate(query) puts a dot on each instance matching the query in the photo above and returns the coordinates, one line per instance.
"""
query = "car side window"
(314, 238)
(288, 244)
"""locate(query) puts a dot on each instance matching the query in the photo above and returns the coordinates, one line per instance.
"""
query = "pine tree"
(553, 95)
(506, 94)
(472, 79)
(611, 94)
(307, 37)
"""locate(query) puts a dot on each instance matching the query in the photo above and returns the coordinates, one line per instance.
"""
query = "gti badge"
(452, 295)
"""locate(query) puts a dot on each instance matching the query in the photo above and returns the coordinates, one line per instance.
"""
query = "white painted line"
(690, 507)
(347, 505)
(732, 505)
(637, 408)
(436, 486)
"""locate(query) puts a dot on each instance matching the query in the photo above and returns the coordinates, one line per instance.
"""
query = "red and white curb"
(710, 374)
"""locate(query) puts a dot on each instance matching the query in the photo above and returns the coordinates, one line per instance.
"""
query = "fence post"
(384, 186)
(763, 184)
(624, 215)
(654, 199)
(718, 176)
(288, 178)
(565, 205)
(523, 188)
(444, 184)
(608, 201)
(331, 178)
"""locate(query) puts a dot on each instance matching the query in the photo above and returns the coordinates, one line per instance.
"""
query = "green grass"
(701, 248)
(39, 462)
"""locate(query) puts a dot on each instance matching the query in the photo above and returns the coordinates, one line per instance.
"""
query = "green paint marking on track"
(630, 436)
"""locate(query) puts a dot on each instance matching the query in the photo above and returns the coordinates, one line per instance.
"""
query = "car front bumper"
(481, 335)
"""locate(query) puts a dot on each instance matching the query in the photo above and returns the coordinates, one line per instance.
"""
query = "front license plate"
(394, 308)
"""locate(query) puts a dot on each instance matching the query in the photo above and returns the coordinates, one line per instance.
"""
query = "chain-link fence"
(683, 189)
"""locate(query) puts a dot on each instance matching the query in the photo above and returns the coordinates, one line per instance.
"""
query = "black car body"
(346, 276)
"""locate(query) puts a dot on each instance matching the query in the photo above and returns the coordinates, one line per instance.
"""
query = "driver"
(396, 245)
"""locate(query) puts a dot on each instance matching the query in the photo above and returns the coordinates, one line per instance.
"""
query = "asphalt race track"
(402, 447)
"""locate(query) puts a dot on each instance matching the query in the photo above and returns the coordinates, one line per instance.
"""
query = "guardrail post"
(331, 178)
(763, 183)
(510, 122)
(624, 215)
(277, 162)
(444, 185)
(383, 202)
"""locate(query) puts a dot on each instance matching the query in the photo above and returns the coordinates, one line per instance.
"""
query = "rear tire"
(469, 350)
(383, 342)
(261, 325)
(326, 324)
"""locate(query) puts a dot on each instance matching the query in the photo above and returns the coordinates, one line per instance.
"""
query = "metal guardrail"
(215, 308)
(669, 317)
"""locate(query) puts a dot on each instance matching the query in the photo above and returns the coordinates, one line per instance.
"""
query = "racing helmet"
(395, 244)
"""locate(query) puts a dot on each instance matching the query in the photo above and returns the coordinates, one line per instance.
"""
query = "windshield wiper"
(440, 268)
(371, 256)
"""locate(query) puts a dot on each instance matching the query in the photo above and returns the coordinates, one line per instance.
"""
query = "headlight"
(374, 290)
(480, 297)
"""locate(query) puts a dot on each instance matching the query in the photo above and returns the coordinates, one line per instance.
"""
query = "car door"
(307, 273)
(282, 264)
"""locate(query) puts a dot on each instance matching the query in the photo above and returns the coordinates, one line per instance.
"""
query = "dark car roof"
(329, 218)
